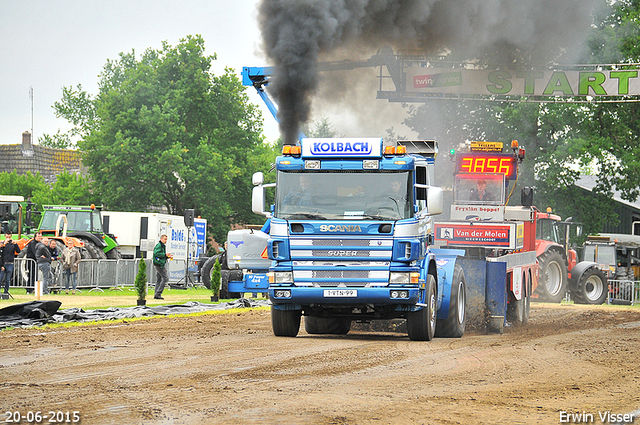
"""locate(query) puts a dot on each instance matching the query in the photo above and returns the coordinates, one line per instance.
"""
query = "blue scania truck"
(350, 238)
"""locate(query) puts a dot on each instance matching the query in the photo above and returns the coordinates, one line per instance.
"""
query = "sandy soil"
(231, 369)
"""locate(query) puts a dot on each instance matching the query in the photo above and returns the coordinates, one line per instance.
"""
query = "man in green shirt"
(160, 256)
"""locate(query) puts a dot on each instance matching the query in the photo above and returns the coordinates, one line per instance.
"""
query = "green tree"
(26, 185)
(563, 140)
(163, 133)
(68, 189)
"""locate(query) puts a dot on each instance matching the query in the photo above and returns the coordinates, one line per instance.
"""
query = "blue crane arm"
(258, 77)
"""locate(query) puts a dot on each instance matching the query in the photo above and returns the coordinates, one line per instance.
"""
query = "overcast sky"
(49, 44)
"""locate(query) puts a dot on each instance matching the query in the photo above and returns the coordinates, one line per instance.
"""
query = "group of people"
(43, 251)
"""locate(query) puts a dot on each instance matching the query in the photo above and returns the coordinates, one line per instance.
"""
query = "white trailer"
(138, 233)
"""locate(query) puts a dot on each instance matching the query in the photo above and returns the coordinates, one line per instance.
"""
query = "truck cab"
(350, 233)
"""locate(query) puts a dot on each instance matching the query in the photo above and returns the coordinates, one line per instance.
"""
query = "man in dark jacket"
(160, 256)
(9, 252)
(32, 265)
(43, 255)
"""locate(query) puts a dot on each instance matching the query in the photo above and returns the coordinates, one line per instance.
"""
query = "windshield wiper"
(377, 217)
(310, 216)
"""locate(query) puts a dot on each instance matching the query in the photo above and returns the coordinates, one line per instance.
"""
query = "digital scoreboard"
(487, 163)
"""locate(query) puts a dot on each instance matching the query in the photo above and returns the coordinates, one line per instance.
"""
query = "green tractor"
(16, 217)
(83, 223)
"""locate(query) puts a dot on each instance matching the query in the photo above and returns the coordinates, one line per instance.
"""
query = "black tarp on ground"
(37, 313)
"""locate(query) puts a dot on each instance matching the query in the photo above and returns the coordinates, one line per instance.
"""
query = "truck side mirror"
(257, 200)
(435, 200)
(257, 178)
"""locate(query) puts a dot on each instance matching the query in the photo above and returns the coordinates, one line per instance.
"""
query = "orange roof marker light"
(401, 150)
(291, 150)
(389, 150)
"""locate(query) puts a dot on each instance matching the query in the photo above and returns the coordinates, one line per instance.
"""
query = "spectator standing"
(31, 265)
(70, 261)
(53, 247)
(9, 252)
(43, 255)
(160, 256)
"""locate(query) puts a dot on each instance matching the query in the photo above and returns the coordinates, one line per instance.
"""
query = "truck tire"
(515, 311)
(592, 287)
(421, 324)
(320, 325)
(454, 325)
(285, 322)
(516, 308)
(526, 312)
(553, 277)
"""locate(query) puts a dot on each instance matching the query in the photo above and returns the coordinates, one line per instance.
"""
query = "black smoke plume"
(298, 33)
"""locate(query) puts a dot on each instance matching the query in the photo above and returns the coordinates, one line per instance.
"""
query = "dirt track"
(231, 369)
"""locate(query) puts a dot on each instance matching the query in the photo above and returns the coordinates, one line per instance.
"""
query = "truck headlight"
(283, 277)
(399, 277)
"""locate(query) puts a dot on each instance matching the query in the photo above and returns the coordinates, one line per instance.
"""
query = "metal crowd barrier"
(623, 292)
(96, 274)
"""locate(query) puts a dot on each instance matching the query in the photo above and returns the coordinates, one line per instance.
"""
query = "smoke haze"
(297, 34)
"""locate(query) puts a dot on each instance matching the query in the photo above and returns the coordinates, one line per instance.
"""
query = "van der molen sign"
(523, 83)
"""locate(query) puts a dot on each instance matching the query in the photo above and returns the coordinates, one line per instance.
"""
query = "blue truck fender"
(445, 260)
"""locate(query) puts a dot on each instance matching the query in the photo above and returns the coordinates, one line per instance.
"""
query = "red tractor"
(556, 257)
(560, 270)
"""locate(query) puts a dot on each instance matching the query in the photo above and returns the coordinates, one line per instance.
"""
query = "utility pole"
(31, 97)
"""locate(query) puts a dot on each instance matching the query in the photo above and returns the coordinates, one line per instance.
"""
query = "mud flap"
(486, 290)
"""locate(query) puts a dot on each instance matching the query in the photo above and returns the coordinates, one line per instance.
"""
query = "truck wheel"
(592, 287)
(285, 322)
(553, 277)
(319, 325)
(454, 325)
(526, 313)
(421, 324)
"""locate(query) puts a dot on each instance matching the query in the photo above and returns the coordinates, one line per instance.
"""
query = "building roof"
(589, 182)
(49, 162)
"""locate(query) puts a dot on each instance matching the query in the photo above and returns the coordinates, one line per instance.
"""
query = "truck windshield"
(77, 221)
(348, 195)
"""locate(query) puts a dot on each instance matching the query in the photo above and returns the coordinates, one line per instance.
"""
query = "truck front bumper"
(345, 296)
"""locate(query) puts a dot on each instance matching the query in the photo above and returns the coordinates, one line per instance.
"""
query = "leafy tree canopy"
(164, 133)
(563, 140)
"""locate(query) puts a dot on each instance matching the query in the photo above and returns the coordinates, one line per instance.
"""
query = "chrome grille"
(341, 284)
(340, 242)
(341, 274)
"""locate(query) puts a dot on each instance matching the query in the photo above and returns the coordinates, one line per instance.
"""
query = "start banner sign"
(596, 83)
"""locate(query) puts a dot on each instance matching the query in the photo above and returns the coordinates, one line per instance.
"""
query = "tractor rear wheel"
(553, 277)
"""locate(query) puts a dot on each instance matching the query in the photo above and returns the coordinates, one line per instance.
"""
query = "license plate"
(339, 293)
